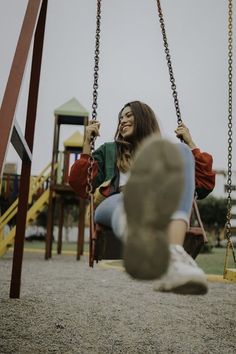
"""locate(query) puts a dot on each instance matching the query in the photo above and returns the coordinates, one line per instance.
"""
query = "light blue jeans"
(111, 211)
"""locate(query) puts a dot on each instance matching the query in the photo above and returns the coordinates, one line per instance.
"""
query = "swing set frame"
(100, 237)
(33, 28)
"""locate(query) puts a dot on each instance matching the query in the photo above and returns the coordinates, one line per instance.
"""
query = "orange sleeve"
(204, 174)
(78, 175)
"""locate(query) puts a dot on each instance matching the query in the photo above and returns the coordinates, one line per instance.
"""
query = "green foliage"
(213, 212)
(213, 263)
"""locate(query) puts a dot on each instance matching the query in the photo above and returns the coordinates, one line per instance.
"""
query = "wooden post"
(80, 241)
(52, 202)
(60, 226)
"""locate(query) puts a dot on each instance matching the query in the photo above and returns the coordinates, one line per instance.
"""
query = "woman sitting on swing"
(144, 190)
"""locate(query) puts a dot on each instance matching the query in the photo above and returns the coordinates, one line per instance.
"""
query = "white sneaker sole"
(151, 195)
(191, 287)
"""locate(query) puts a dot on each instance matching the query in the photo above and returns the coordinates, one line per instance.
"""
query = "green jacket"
(105, 156)
(105, 169)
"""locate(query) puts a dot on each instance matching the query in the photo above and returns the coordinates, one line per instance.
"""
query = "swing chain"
(96, 61)
(89, 187)
(169, 64)
(230, 124)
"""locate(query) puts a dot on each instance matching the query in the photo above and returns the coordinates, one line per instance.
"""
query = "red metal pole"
(26, 163)
(12, 91)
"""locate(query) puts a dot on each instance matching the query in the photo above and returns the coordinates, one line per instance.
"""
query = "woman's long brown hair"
(145, 124)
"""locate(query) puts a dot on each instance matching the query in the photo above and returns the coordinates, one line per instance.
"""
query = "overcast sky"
(132, 66)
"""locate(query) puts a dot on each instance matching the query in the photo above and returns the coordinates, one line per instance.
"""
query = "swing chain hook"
(230, 123)
(89, 187)
(169, 63)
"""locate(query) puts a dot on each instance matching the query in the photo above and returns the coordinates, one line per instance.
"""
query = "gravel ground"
(66, 307)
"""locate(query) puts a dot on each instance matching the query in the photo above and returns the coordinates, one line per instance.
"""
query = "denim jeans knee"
(185, 206)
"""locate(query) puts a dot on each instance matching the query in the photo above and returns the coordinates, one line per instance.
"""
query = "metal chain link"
(230, 123)
(89, 187)
(169, 64)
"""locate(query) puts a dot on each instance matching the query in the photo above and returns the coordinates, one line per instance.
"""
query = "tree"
(213, 213)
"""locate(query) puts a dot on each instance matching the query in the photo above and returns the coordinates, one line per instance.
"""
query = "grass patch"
(213, 263)
(40, 245)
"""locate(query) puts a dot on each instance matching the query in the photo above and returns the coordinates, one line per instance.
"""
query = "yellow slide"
(37, 202)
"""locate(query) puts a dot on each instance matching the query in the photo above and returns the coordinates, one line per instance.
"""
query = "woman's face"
(126, 124)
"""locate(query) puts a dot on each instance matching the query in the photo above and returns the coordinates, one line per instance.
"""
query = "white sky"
(132, 66)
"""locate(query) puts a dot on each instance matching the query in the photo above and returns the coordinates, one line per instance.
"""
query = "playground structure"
(38, 199)
(33, 24)
(49, 187)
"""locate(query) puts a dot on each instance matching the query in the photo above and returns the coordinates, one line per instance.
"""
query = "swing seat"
(104, 245)
(194, 241)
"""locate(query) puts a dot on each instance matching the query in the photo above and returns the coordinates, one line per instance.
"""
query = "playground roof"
(71, 108)
(75, 140)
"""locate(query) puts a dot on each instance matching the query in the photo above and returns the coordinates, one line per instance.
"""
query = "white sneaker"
(183, 275)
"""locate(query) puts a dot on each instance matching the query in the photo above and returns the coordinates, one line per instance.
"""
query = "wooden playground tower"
(49, 187)
(71, 113)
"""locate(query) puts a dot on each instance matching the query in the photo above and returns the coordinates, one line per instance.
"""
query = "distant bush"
(213, 212)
